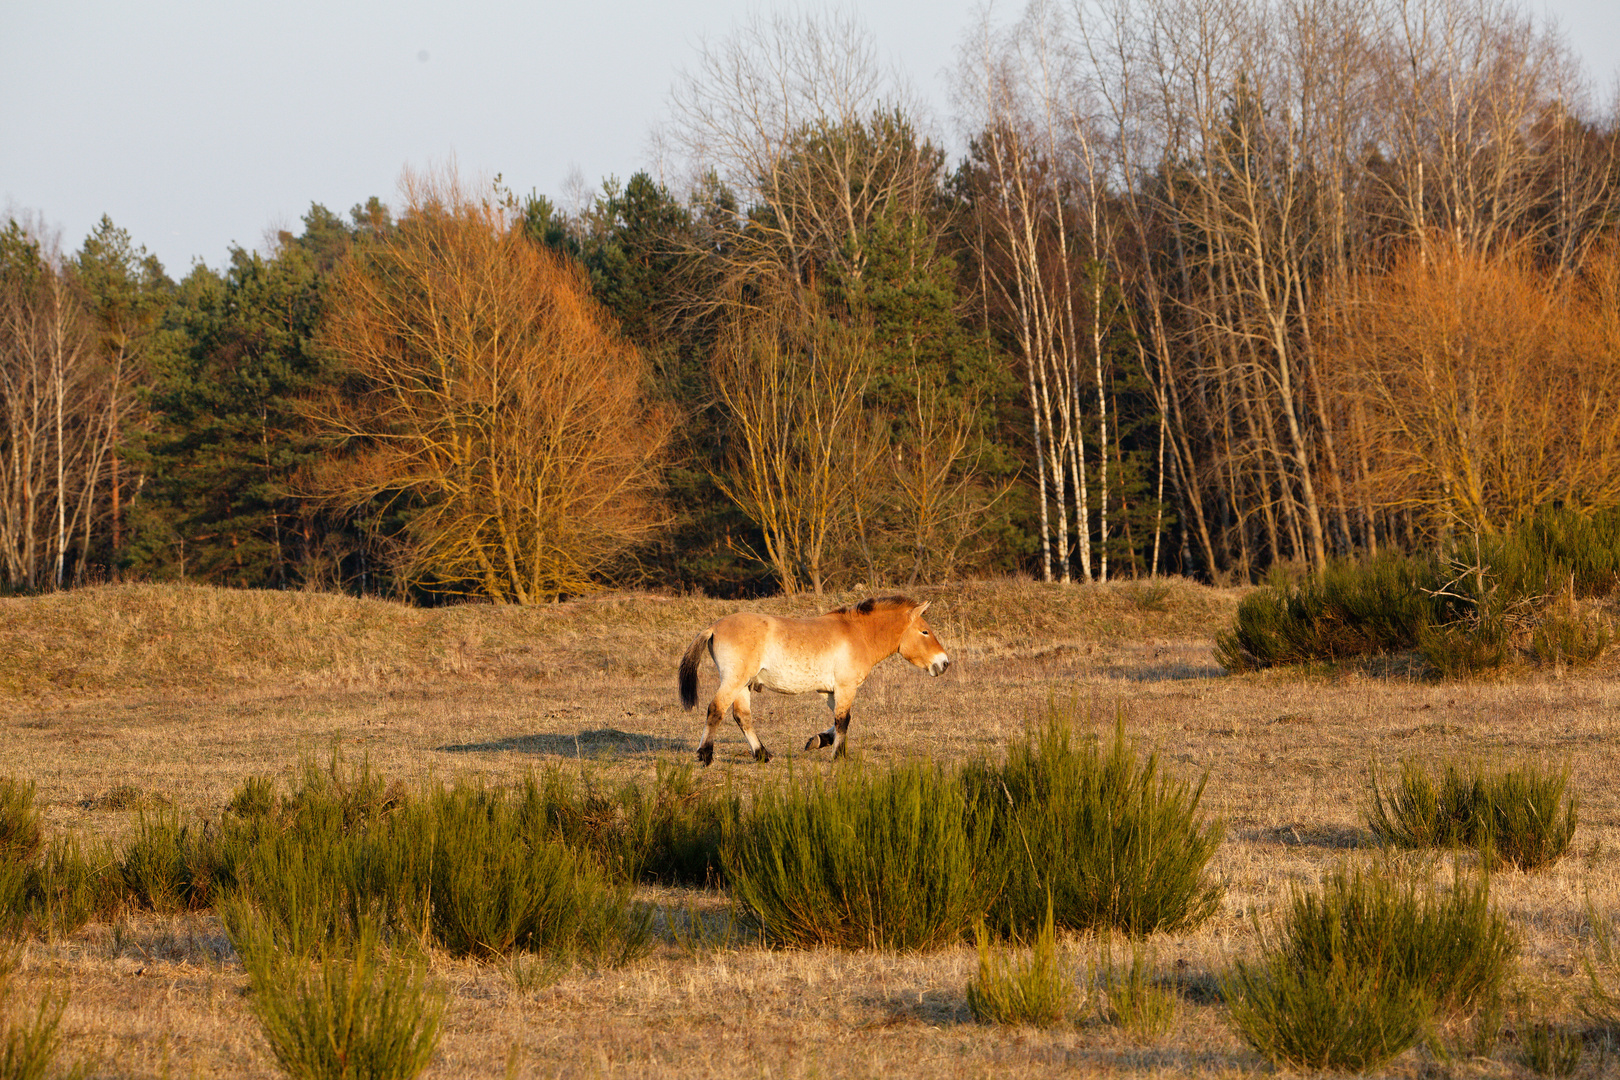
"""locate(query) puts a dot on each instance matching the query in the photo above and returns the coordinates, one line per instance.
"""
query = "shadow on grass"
(1320, 836)
(596, 743)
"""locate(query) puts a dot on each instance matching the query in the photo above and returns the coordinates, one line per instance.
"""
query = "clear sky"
(197, 124)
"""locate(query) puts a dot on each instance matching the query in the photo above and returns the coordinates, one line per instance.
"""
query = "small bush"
(1521, 815)
(1135, 1002)
(255, 798)
(1035, 991)
(1360, 967)
(1565, 637)
(1352, 609)
(465, 868)
(156, 869)
(1314, 1018)
(1114, 844)
(865, 859)
(1457, 650)
(56, 893)
(338, 1014)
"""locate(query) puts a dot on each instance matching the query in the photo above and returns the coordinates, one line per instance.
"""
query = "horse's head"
(919, 645)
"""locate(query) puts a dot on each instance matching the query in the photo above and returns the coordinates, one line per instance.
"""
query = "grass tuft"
(28, 1050)
(20, 831)
(1136, 1003)
(1007, 990)
(1549, 1049)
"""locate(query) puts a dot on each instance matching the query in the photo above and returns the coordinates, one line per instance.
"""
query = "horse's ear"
(916, 612)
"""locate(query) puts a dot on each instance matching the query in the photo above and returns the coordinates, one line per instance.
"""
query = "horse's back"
(790, 655)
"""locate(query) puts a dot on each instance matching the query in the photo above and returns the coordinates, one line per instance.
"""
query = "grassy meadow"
(120, 701)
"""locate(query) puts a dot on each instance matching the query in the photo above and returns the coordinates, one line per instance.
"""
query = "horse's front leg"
(839, 702)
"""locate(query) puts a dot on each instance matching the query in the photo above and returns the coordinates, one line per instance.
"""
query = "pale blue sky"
(200, 123)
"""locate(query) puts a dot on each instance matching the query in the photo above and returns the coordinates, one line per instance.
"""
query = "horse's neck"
(884, 641)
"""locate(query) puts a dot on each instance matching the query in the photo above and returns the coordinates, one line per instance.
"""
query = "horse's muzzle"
(939, 666)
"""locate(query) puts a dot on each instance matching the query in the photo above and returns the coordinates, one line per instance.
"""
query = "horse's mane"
(874, 603)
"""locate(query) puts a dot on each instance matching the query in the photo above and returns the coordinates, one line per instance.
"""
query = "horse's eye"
(925, 633)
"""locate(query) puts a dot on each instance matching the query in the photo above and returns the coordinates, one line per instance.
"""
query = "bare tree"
(803, 452)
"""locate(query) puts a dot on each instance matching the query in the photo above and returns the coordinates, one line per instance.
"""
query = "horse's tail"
(689, 667)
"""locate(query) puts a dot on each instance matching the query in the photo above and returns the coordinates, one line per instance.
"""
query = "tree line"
(1217, 284)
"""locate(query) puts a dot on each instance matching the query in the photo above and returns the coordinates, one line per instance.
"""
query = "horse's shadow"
(596, 743)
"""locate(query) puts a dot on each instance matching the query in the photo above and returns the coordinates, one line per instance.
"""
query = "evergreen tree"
(230, 439)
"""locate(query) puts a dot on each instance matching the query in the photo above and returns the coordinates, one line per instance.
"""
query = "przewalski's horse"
(829, 654)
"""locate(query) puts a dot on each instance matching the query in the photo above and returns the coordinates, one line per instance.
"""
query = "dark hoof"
(706, 755)
(819, 740)
(762, 755)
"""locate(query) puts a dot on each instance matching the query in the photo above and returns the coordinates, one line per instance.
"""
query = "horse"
(829, 654)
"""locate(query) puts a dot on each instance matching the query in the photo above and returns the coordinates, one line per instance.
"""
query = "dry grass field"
(122, 696)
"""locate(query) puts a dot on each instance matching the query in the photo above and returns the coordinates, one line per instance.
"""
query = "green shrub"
(1338, 1018)
(1521, 814)
(1567, 637)
(1457, 606)
(255, 798)
(1114, 844)
(465, 868)
(864, 859)
(20, 831)
(493, 887)
(338, 1014)
(156, 869)
(672, 834)
(1036, 991)
(1359, 968)
(1460, 649)
(56, 893)
(1352, 609)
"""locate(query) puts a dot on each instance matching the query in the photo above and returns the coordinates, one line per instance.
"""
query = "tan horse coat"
(829, 654)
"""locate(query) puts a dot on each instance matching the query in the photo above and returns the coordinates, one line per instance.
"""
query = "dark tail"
(689, 668)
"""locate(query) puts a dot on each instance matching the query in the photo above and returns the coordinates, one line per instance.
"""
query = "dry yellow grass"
(180, 692)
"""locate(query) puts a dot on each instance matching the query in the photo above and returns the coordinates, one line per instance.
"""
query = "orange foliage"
(1477, 388)
(492, 400)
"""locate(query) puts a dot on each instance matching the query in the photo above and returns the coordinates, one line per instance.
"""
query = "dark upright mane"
(873, 603)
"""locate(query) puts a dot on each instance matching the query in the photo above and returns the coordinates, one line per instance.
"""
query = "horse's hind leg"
(723, 698)
(731, 690)
(740, 709)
